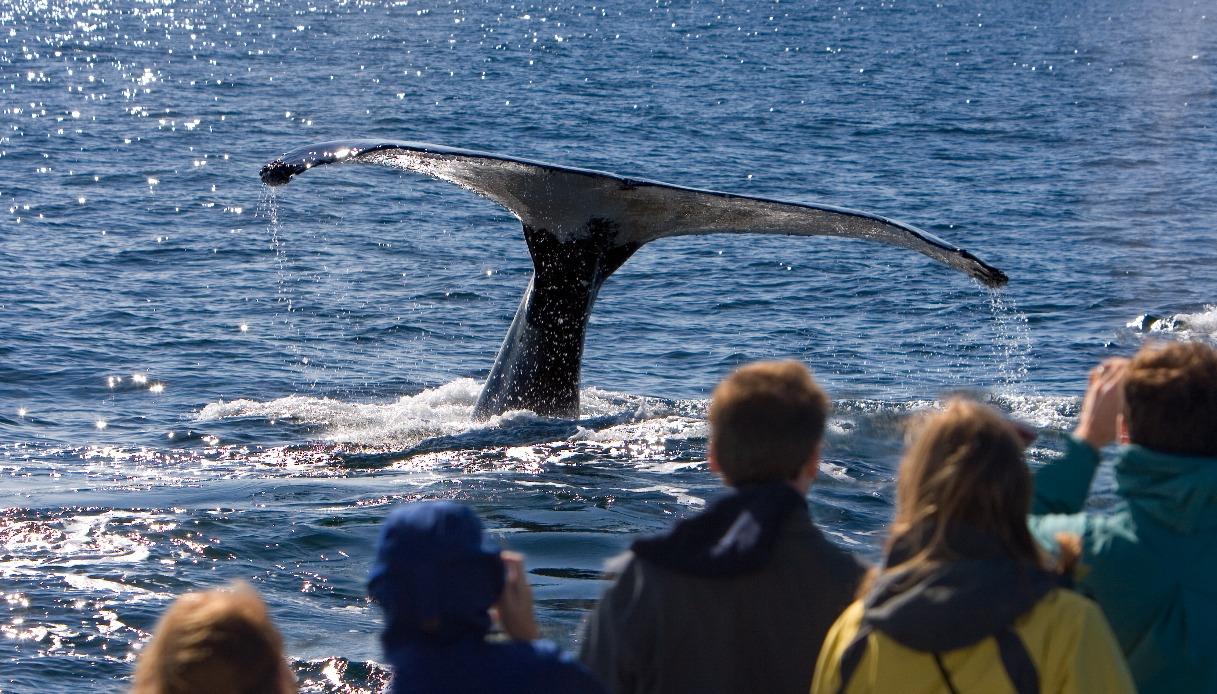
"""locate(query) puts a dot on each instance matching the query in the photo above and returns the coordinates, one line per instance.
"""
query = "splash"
(1049, 412)
(1201, 324)
(442, 411)
(1012, 344)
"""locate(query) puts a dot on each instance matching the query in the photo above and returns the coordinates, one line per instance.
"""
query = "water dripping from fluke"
(1012, 343)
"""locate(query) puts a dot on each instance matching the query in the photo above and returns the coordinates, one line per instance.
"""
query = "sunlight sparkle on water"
(101, 424)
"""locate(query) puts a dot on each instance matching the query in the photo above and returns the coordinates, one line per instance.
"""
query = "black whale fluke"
(277, 173)
(580, 226)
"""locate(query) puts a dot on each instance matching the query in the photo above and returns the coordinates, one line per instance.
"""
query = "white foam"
(1200, 324)
(653, 431)
(837, 472)
(93, 585)
(1203, 322)
(1041, 411)
(681, 494)
(448, 410)
(434, 412)
(640, 431)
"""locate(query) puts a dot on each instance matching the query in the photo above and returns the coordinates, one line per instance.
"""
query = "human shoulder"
(619, 564)
(1062, 614)
(557, 671)
(839, 637)
(815, 542)
(1100, 534)
(1073, 645)
(851, 618)
(631, 596)
(1065, 604)
(1053, 627)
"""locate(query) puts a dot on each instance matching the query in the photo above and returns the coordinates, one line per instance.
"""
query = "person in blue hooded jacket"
(438, 579)
(1148, 560)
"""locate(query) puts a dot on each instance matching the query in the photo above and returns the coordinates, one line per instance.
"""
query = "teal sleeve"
(1045, 528)
(1061, 486)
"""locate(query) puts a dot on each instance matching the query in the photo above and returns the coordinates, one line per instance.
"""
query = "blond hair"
(766, 421)
(215, 642)
(963, 469)
(1170, 394)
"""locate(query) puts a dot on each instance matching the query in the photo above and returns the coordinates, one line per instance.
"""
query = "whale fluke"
(580, 226)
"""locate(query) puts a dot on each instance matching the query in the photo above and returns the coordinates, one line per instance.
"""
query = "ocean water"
(202, 380)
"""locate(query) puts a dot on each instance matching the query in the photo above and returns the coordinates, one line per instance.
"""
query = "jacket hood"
(435, 576)
(735, 534)
(1178, 491)
(955, 603)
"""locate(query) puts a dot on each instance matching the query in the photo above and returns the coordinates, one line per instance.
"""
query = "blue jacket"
(1149, 562)
(476, 666)
(435, 577)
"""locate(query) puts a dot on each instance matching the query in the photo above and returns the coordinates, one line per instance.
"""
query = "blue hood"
(435, 575)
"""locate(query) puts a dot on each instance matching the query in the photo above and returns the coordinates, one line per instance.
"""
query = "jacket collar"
(735, 535)
(1178, 491)
(953, 604)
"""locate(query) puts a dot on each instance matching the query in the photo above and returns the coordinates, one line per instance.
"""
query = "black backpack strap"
(1014, 657)
(1017, 661)
(851, 657)
(946, 676)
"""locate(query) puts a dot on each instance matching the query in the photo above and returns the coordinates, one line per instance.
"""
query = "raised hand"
(1099, 422)
(514, 608)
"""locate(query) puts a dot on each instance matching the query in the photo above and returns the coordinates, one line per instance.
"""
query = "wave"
(441, 411)
(1200, 324)
(341, 675)
(1054, 412)
(649, 433)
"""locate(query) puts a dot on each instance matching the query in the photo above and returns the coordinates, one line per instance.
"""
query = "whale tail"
(580, 226)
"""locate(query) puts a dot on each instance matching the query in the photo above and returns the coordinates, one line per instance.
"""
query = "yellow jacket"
(1065, 634)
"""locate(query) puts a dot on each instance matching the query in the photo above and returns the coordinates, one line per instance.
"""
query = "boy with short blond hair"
(739, 597)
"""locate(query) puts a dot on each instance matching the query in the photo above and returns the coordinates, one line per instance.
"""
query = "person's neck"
(800, 485)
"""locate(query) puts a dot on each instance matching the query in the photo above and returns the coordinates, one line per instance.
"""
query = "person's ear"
(813, 464)
(712, 458)
(807, 474)
(1122, 429)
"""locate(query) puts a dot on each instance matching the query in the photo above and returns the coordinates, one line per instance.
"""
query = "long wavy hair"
(963, 469)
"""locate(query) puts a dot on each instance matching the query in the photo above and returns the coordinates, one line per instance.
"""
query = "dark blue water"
(201, 381)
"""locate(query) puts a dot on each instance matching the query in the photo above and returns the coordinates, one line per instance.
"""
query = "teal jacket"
(1150, 561)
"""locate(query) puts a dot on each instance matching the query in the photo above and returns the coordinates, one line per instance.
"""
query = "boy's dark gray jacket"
(658, 629)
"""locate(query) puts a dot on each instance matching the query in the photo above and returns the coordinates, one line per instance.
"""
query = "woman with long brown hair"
(966, 601)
